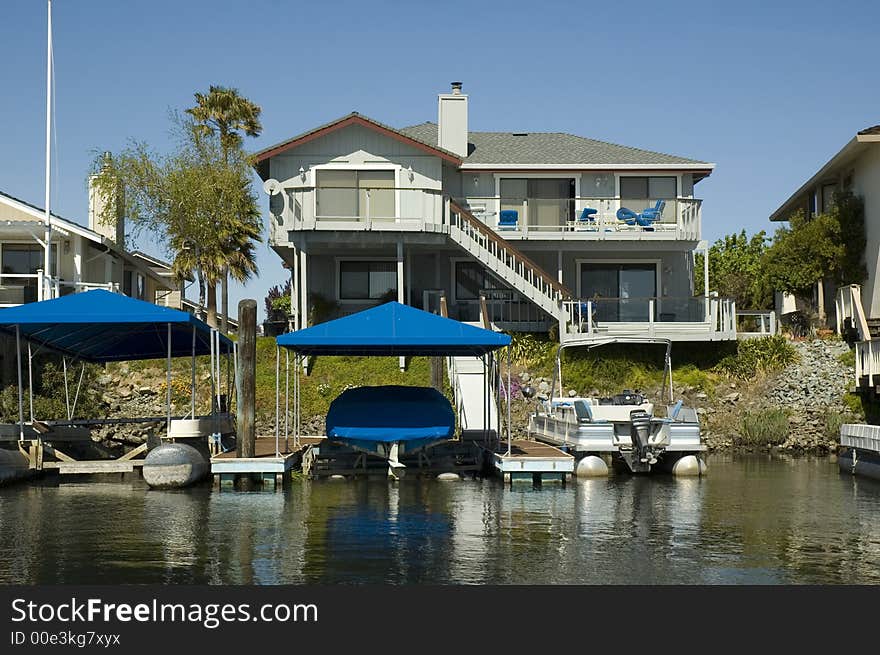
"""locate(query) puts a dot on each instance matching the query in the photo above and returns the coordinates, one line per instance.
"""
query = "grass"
(765, 427)
(848, 358)
(754, 356)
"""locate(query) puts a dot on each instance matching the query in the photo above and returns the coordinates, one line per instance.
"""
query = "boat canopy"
(394, 329)
(101, 326)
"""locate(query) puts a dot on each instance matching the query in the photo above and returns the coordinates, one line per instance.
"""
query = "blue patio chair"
(508, 219)
(628, 216)
(654, 213)
(588, 214)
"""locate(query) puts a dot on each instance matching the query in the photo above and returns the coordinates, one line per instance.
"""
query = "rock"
(146, 391)
(525, 377)
(543, 387)
(731, 397)
(104, 380)
(702, 396)
(572, 393)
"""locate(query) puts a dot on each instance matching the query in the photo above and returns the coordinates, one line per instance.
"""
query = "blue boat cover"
(394, 329)
(100, 326)
(415, 415)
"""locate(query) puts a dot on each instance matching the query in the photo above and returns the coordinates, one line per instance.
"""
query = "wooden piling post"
(245, 378)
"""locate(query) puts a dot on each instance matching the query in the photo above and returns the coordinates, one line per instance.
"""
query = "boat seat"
(584, 413)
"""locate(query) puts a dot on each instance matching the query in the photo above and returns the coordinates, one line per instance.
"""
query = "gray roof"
(548, 148)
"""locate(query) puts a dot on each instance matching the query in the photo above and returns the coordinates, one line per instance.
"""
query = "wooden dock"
(267, 466)
(531, 461)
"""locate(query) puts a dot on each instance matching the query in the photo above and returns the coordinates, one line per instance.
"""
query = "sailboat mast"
(45, 283)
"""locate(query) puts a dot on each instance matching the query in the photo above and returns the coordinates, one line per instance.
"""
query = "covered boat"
(390, 420)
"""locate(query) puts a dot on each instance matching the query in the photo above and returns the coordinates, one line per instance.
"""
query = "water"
(754, 519)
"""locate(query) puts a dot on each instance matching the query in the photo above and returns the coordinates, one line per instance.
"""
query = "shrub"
(833, 421)
(527, 350)
(755, 356)
(848, 358)
(763, 428)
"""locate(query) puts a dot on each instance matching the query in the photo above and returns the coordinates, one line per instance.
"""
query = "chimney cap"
(456, 87)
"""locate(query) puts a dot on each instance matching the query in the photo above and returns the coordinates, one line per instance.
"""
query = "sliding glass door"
(620, 292)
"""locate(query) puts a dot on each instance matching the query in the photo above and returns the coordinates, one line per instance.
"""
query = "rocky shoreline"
(809, 392)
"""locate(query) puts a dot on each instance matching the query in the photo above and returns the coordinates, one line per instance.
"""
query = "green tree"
(197, 200)
(828, 246)
(736, 270)
(225, 112)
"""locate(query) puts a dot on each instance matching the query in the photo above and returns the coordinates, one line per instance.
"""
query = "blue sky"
(766, 90)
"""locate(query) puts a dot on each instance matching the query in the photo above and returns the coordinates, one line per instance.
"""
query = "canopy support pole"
(20, 387)
(82, 372)
(213, 380)
(30, 382)
(168, 389)
(66, 391)
(286, 401)
(509, 441)
(217, 363)
(296, 394)
(192, 378)
(277, 397)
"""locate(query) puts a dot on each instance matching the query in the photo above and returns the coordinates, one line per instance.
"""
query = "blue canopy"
(415, 415)
(393, 329)
(100, 326)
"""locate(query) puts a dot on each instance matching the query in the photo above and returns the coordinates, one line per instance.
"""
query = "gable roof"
(844, 157)
(558, 149)
(353, 118)
(100, 326)
(65, 225)
(393, 329)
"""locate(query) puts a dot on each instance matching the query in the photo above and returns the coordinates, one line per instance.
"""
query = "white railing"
(680, 218)
(505, 260)
(358, 208)
(867, 362)
(457, 394)
(699, 316)
(848, 306)
(751, 324)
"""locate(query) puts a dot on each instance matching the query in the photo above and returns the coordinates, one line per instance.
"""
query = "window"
(828, 191)
(620, 292)
(355, 194)
(648, 188)
(25, 259)
(364, 280)
(133, 285)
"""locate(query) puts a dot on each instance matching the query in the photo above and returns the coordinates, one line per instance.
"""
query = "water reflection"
(754, 519)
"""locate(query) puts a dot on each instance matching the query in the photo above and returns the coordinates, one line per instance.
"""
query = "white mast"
(47, 260)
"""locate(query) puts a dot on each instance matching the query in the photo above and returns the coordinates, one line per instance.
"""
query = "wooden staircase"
(506, 261)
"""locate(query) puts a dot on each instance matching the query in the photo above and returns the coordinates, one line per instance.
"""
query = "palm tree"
(225, 112)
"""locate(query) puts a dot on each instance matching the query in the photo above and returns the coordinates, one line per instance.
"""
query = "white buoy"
(591, 467)
(174, 465)
(448, 476)
(689, 465)
(337, 477)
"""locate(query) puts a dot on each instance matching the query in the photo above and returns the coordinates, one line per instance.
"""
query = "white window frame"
(396, 168)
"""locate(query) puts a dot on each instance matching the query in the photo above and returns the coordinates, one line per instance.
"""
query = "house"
(855, 168)
(82, 258)
(529, 230)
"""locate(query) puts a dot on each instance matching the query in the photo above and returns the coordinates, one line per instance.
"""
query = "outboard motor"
(641, 432)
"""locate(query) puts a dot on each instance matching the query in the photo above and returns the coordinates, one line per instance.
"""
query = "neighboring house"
(855, 168)
(172, 295)
(538, 228)
(82, 258)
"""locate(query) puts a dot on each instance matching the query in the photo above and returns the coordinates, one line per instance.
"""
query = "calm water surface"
(754, 519)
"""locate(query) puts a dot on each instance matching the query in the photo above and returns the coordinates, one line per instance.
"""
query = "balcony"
(694, 318)
(20, 288)
(586, 218)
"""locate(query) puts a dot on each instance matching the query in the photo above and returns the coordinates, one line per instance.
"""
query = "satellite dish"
(272, 187)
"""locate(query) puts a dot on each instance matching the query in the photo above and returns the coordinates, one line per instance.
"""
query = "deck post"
(400, 283)
(30, 382)
(20, 387)
(246, 377)
(168, 389)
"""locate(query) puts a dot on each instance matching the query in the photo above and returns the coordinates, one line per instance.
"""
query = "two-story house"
(534, 229)
(855, 168)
